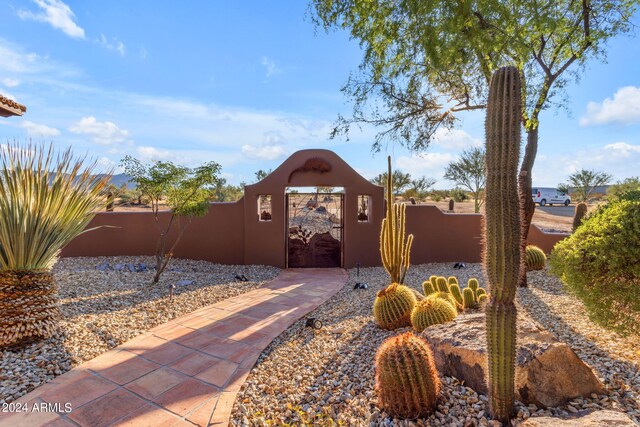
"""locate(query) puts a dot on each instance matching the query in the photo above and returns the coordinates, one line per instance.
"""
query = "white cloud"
(56, 13)
(10, 82)
(270, 66)
(153, 153)
(620, 159)
(622, 149)
(103, 133)
(38, 130)
(455, 139)
(425, 164)
(624, 109)
(264, 152)
(113, 44)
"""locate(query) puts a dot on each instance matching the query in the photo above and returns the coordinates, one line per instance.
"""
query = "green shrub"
(599, 263)
(459, 195)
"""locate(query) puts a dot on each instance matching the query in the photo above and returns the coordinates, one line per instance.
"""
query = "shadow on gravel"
(618, 375)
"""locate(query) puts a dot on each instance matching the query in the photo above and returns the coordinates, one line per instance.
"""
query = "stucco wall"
(217, 237)
(231, 234)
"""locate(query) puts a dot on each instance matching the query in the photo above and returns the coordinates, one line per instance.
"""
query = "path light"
(171, 289)
(358, 284)
(314, 323)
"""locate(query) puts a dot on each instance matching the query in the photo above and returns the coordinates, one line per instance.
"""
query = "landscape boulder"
(593, 419)
(548, 372)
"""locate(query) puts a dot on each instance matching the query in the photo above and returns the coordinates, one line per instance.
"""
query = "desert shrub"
(599, 263)
(459, 195)
(620, 188)
(437, 195)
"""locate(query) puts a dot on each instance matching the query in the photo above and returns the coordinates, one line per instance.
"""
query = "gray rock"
(103, 267)
(184, 282)
(131, 267)
(548, 372)
(118, 267)
(594, 419)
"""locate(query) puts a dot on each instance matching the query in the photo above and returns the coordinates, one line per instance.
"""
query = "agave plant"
(46, 199)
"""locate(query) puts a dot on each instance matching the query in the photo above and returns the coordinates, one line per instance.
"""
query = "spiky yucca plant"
(394, 246)
(46, 199)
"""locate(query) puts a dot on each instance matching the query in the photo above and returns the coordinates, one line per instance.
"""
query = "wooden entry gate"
(315, 229)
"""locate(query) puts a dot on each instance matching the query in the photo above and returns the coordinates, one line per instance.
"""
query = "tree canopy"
(585, 181)
(468, 172)
(426, 61)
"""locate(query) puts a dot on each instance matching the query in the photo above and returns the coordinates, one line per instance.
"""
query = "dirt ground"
(552, 222)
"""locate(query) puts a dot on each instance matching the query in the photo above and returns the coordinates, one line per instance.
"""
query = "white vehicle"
(550, 196)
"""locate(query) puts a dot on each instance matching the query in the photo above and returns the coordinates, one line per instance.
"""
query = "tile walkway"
(185, 372)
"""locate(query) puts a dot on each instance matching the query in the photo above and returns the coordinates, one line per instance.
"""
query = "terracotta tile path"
(185, 372)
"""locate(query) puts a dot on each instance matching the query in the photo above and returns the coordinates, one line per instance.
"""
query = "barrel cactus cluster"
(467, 298)
(433, 310)
(535, 258)
(393, 305)
(407, 381)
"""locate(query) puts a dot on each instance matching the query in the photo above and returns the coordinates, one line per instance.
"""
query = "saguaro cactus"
(581, 211)
(502, 238)
(394, 247)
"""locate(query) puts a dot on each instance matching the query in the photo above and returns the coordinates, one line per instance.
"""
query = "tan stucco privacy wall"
(232, 234)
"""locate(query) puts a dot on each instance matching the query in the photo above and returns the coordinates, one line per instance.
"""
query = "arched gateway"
(335, 225)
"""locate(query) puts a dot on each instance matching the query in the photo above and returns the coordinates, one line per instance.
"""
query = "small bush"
(459, 195)
(599, 263)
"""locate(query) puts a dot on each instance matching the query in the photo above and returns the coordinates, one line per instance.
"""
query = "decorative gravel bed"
(326, 377)
(102, 309)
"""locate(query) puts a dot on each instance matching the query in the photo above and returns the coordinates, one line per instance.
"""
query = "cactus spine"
(442, 285)
(394, 249)
(393, 305)
(432, 311)
(417, 294)
(502, 237)
(407, 381)
(454, 289)
(469, 298)
(581, 211)
(452, 279)
(428, 288)
(473, 284)
(534, 258)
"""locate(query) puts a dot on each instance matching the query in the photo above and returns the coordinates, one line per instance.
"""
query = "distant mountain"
(121, 179)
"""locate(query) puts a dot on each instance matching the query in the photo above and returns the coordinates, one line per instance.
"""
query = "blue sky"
(248, 83)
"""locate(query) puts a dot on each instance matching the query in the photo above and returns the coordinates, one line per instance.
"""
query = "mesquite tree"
(186, 191)
(468, 171)
(418, 53)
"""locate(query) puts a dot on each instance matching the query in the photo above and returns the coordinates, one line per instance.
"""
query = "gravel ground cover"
(102, 309)
(326, 377)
